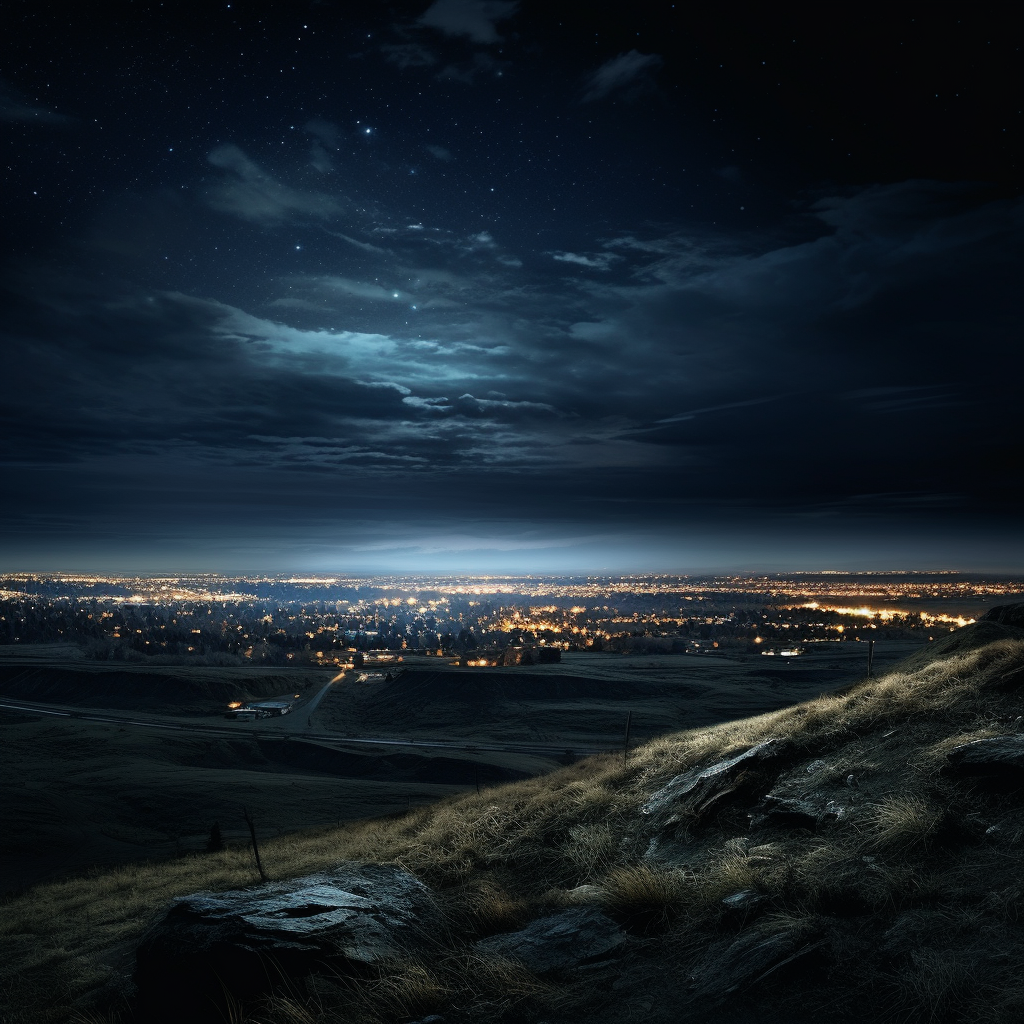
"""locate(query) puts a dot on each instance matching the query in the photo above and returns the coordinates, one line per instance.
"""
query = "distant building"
(271, 707)
(499, 657)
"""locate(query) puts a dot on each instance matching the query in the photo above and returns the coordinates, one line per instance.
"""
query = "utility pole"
(871, 657)
(255, 848)
(625, 743)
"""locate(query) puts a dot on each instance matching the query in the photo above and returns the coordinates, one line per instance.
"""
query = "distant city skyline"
(494, 285)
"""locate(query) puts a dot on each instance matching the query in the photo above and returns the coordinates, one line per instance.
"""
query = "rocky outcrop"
(1006, 615)
(573, 938)
(249, 940)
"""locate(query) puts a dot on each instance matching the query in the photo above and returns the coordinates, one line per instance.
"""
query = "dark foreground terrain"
(855, 856)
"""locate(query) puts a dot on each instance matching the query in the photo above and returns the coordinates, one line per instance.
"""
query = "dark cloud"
(409, 55)
(474, 19)
(466, 72)
(683, 368)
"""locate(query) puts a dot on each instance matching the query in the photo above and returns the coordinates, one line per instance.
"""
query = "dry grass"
(485, 987)
(495, 858)
(932, 986)
(902, 824)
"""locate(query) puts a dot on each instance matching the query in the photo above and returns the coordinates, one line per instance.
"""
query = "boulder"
(699, 786)
(573, 938)
(806, 797)
(745, 900)
(246, 941)
(804, 810)
(732, 966)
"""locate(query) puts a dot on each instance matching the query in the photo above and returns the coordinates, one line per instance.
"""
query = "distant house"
(260, 709)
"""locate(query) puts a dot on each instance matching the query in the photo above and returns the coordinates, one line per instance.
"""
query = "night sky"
(485, 285)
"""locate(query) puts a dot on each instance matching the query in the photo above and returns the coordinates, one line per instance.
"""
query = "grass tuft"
(902, 824)
(645, 899)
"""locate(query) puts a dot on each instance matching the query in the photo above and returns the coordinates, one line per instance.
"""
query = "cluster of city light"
(887, 614)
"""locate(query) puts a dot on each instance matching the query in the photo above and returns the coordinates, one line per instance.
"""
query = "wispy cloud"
(326, 139)
(630, 74)
(597, 261)
(249, 192)
(17, 109)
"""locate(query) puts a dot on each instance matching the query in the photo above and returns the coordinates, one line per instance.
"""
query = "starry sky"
(491, 285)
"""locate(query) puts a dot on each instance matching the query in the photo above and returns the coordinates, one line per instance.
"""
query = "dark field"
(585, 699)
(77, 793)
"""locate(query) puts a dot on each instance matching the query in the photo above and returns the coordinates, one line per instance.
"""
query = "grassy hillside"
(902, 894)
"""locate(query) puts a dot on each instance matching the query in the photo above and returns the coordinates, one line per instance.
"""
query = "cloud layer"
(835, 378)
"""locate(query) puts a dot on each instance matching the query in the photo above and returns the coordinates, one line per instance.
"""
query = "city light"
(333, 620)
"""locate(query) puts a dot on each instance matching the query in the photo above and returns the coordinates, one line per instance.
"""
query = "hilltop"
(854, 856)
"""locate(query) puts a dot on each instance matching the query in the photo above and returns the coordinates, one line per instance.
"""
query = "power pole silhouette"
(255, 848)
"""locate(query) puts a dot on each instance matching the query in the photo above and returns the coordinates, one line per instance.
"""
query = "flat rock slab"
(994, 755)
(700, 784)
(572, 938)
(247, 940)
